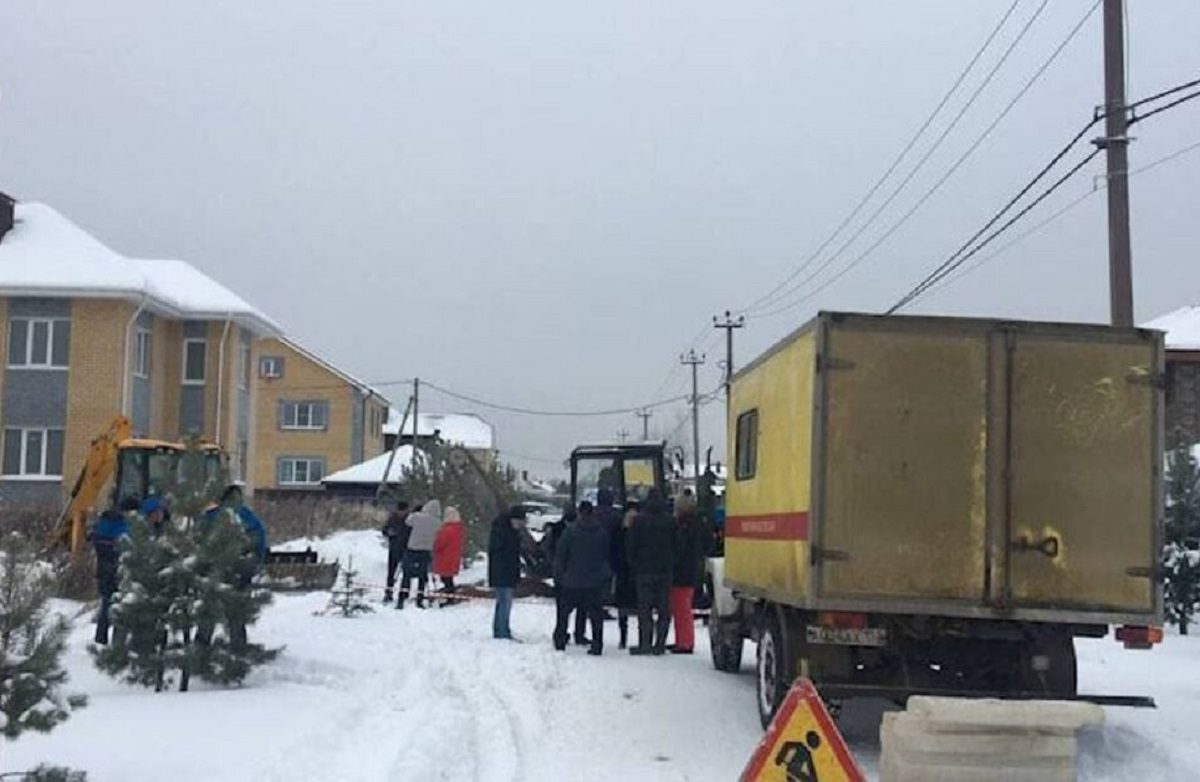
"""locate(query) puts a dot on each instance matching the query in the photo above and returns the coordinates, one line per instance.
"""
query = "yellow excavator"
(137, 468)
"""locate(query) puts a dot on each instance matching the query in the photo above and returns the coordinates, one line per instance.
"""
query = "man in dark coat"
(650, 543)
(582, 572)
(111, 528)
(396, 532)
(504, 566)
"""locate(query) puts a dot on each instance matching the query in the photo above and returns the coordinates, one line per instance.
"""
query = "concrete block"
(964, 740)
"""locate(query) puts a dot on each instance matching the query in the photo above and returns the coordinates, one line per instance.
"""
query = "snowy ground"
(428, 695)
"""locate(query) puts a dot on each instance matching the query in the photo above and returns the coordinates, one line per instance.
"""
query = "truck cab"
(628, 470)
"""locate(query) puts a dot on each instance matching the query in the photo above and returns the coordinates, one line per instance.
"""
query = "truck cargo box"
(952, 467)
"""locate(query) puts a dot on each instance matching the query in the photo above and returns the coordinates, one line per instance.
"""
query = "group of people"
(419, 542)
(641, 560)
(113, 527)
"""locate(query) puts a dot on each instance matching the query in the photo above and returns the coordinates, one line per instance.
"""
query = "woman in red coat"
(447, 551)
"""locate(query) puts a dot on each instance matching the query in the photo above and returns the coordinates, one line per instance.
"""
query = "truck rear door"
(1083, 469)
(904, 474)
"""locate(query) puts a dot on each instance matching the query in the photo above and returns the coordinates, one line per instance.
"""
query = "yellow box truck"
(940, 505)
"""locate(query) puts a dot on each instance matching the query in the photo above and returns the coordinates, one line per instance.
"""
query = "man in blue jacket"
(233, 500)
(106, 536)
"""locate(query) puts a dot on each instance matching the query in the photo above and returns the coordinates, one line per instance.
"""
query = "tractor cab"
(149, 468)
(628, 470)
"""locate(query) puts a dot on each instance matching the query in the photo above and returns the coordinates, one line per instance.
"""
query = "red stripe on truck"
(769, 526)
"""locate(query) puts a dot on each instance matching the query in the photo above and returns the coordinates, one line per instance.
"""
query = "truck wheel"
(773, 678)
(725, 641)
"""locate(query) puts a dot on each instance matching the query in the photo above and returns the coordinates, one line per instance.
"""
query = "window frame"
(293, 461)
(23, 432)
(53, 324)
(187, 344)
(143, 346)
(312, 405)
(275, 361)
(745, 462)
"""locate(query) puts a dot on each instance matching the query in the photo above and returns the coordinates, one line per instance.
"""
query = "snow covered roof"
(1182, 327)
(465, 429)
(371, 471)
(189, 292)
(45, 254)
(344, 375)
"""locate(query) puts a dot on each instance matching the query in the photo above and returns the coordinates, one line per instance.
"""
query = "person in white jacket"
(423, 527)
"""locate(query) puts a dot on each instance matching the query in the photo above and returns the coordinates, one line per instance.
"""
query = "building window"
(33, 453)
(301, 471)
(195, 359)
(270, 367)
(141, 353)
(244, 367)
(746, 458)
(303, 415)
(38, 343)
(242, 468)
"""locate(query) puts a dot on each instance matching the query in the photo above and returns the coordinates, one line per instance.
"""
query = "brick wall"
(95, 385)
(303, 380)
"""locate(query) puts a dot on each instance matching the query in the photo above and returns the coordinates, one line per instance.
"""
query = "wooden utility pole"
(695, 361)
(1116, 146)
(645, 416)
(729, 324)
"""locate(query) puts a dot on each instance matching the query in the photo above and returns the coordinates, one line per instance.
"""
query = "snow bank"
(1182, 327)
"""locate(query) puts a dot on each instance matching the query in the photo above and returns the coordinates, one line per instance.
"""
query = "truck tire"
(726, 642)
(773, 676)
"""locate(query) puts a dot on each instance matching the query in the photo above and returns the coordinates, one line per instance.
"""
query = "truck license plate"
(867, 636)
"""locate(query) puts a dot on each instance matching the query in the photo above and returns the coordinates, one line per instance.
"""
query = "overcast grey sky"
(542, 202)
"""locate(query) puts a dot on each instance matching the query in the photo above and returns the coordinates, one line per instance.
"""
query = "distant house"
(1182, 329)
(361, 481)
(312, 418)
(90, 334)
(465, 429)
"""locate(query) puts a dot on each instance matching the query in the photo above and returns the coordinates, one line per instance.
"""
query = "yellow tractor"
(137, 468)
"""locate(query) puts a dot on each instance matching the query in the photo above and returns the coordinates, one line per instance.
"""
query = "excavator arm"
(71, 528)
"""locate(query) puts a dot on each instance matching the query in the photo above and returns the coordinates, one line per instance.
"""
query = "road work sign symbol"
(802, 744)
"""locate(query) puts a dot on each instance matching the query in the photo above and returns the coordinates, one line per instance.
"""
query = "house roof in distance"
(371, 471)
(465, 429)
(1182, 327)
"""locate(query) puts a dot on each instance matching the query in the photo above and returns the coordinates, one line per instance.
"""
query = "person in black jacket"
(650, 544)
(582, 572)
(624, 594)
(504, 566)
(396, 532)
(687, 573)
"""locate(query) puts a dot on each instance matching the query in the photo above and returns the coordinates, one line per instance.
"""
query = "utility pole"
(1116, 146)
(695, 361)
(623, 434)
(729, 324)
(645, 416)
(416, 403)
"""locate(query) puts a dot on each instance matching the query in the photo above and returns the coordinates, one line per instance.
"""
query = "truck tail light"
(1138, 636)
(842, 620)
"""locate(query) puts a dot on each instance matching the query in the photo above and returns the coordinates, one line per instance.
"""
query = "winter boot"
(388, 596)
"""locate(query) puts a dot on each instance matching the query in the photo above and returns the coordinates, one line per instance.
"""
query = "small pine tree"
(31, 645)
(1181, 560)
(348, 596)
(186, 597)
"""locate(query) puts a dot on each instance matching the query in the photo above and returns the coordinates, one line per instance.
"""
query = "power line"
(550, 413)
(1161, 95)
(1068, 207)
(903, 154)
(1166, 107)
(1037, 75)
(938, 275)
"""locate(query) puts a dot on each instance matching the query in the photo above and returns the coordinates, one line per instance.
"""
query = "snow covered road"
(425, 695)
